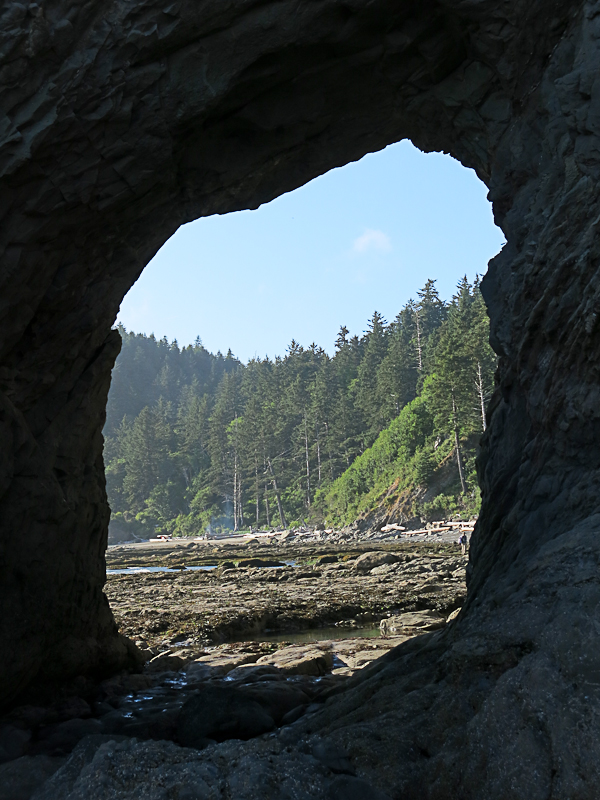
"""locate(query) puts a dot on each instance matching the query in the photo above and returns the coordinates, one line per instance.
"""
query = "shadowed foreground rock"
(121, 120)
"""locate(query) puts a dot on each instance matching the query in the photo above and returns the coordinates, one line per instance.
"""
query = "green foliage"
(397, 455)
(455, 376)
(195, 440)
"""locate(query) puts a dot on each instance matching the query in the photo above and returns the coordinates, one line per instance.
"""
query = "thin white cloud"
(372, 240)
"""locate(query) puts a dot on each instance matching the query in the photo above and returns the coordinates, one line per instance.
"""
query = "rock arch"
(123, 119)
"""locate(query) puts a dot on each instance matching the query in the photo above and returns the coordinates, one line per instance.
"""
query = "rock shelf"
(196, 692)
(325, 588)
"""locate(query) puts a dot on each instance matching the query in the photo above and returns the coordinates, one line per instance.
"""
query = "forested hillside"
(195, 439)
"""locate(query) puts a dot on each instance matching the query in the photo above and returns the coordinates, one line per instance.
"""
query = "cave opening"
(362, 238)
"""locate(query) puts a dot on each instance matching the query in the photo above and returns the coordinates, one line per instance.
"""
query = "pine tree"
(374, 351)
(483, 356)
(429, 314)
(193, 437)
(452, 386)
(146, 449)
(397, 375)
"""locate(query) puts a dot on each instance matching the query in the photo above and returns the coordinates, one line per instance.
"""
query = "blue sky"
(361, 238)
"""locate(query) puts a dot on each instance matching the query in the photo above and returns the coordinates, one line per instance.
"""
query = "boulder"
(255, 672)
(363, 657)
(60, 739)
(330, 559)
(384, 569)
(224, 661)
(19, 779)
(220, 713)
(369, 561)
(166, 662)
(70, 708)
(200, 671)
(277, 698)
(298, 660)
(413, 621)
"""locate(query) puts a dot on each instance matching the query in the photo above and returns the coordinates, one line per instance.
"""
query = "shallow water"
(317, 634)
(133, 570)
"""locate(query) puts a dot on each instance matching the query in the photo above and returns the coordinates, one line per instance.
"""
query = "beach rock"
(156, 720)
(59, 739)
(294, 715)
(215, 610)
(19, 779)
(255, 672)
(369, 561)
(166, 662)
(416, 621)
(200, 671)
(223, 662)
(117, 766)
(328, 559)
(299, 660)
(247, 563)
(277, 698)
(219, 713)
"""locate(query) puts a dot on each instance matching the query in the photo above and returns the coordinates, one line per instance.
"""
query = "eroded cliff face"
(122, 120)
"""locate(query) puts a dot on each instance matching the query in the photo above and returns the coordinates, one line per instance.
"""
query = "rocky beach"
(239, 638)
(218, 592)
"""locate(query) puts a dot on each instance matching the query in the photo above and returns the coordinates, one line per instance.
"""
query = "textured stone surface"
(121, 120)
(19, 779)
(312, 660)
(236, 604)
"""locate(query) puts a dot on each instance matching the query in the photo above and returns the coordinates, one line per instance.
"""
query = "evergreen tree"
(193, 439)
(398, 375)
(429, 313)
(452, 385)
(374, 352)
(484, 358)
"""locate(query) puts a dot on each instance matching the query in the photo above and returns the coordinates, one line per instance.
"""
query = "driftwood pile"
(443, 526)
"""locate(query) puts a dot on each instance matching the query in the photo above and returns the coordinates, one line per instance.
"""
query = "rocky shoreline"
(214, 670)
(267, 587)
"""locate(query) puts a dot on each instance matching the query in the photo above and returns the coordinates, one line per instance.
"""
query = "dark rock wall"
(121, 120)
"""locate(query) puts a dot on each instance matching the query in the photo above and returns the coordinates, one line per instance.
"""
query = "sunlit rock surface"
(122, 120)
